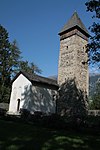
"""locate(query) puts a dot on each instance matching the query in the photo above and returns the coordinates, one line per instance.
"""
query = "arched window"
(18, 104)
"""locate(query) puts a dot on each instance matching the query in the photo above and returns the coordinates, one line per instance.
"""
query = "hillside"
(93, 79)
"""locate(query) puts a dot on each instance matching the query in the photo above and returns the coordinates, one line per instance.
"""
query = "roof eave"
(72, 28)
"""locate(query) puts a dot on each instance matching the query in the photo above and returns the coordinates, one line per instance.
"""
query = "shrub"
(2, 112)
(25, 114)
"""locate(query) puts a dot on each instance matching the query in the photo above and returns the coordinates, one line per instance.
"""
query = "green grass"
(20, 136)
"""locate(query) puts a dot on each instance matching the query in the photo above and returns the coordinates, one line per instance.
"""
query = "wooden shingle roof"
(74, 22)
(37, 79)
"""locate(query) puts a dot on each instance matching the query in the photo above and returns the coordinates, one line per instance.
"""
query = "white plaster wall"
(33, 98)
(18, 88)
(40, 99)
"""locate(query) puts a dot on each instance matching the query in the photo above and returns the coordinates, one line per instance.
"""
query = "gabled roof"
(74, 22)
(37, 79)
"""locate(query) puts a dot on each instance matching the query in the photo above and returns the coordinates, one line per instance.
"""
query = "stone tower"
(73, 56)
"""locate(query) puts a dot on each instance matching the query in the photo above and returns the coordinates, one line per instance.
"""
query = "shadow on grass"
(19, 136)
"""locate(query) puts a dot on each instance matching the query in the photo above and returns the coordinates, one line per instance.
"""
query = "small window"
(83, 62)
(66, 47)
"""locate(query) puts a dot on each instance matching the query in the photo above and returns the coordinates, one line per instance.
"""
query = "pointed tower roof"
(74, 22)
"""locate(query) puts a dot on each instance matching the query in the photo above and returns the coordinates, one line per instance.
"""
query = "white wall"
(18, 88)
(40, 99)
(33, 97)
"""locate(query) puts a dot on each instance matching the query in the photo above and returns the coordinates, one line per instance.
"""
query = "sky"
(35, 25)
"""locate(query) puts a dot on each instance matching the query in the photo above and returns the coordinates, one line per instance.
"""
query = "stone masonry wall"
(72, 60)
(67, 59)
(82, 66)
(72, 75)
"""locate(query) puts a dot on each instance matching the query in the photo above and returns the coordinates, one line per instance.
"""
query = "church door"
(18, 104)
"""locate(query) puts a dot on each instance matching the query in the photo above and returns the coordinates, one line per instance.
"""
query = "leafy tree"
(35, 69)
(94, 45)
(18, 64)
(29, 67)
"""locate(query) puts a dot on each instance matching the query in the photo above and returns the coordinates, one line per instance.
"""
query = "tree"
(10, 63)
(9, 60)
(30, 68)
(94, 45)
(95, 104)
(15, 57)
(34, 68)
(4, 64)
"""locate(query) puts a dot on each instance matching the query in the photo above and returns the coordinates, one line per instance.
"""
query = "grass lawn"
(20, 136)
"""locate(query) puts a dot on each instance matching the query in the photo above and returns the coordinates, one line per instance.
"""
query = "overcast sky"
(35, 25)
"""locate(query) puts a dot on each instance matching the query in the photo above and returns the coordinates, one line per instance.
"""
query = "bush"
(25, 114)
(2, 112)
(38, 114)
(53, 121)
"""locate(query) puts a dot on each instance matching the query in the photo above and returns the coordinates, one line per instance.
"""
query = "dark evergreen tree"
(5, 53)
(9, 61)
(15, 58)
(94, 45)
(10, 64)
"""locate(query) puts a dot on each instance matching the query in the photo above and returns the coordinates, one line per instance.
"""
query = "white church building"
(36, 93)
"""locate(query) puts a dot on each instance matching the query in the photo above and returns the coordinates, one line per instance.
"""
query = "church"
(37, 93)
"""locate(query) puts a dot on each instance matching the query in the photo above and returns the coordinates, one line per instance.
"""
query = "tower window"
(83, 62)
(66, 47)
